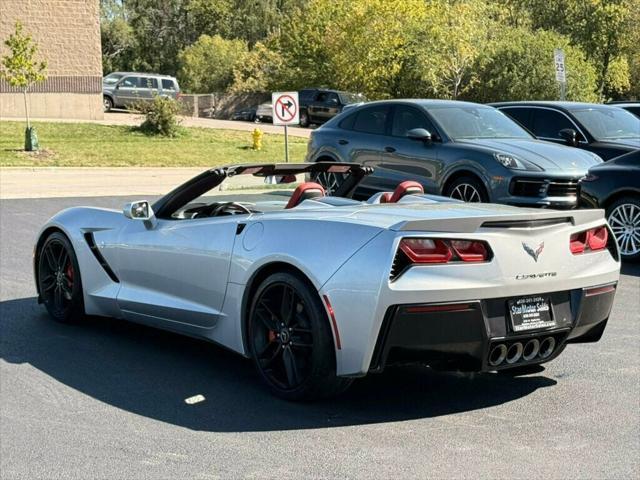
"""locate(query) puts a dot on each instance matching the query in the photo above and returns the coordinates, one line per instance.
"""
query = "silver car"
(318, 290)
(125, 89)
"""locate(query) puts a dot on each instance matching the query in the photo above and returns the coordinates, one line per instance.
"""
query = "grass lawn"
(91, 145)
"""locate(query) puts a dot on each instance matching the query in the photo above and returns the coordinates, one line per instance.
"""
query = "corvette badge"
(533, 253)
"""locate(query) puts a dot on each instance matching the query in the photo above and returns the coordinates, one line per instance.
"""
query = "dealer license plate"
(530, 313)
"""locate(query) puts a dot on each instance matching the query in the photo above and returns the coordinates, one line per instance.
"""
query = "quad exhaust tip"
(514, 353)
(531, 349)
(547, 346)
(497, 355)
(526, 352)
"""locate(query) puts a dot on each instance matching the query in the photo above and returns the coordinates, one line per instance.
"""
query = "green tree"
(603, 28)
(259, 70)
(117, 36)
(207, 66)
(22, 70)
(519, 66)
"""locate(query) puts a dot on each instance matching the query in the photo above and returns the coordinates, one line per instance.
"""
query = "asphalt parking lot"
(106, 399)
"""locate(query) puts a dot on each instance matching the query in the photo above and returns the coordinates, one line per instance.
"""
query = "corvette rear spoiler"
(526, 219)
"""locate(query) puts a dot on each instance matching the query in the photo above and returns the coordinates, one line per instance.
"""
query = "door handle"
(389, 149)
(343, 142)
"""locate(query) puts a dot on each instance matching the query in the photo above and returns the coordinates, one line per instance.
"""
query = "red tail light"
(589, 240)
(426, 250)
(578, 242)
(597, 238)
(470, 251)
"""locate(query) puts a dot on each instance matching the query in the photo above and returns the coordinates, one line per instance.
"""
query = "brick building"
(68, 36)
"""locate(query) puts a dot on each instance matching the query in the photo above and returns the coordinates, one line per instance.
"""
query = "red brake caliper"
(272, 336)
(69, 273)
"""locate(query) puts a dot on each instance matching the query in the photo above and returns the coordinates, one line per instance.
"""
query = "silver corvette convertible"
(318, 290)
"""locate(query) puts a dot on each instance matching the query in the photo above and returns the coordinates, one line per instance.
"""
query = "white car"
(318, 290)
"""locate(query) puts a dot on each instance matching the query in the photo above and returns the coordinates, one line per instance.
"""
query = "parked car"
(633, 107)
(317, 290)
(615, 186)
(462, 150)
(605, 130)
(124, 89)
(247, 115)
(319, 105)
(264, 113)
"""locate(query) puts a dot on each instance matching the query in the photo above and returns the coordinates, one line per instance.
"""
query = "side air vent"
(96, 253)
(400, 263)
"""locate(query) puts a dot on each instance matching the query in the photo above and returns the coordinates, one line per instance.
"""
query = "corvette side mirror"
(140, 210)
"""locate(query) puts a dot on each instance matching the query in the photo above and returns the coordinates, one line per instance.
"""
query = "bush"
(161, 116)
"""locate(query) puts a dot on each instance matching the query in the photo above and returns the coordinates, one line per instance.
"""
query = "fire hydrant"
(257, 139)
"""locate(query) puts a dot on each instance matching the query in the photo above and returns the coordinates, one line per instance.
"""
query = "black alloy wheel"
(290, 340)
(59, 281)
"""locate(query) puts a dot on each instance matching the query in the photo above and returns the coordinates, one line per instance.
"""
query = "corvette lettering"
(534, 276)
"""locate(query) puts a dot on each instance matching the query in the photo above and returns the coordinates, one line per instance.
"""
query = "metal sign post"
(561, 77)
(286, 112)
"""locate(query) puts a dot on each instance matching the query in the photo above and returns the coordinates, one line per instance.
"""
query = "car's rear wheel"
(290, 340)
(107, 103)
(623, 216)
(59, 282)
(467, 189)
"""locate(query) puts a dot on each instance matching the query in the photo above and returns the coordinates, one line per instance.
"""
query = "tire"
(329, 181)
(304, 119)
(107, 103)
(623, 216)
(293, 350)
(468, 189)
(59, 282)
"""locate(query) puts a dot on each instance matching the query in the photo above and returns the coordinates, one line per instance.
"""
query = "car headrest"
(385, 197)
(408, 187)
(304, 192)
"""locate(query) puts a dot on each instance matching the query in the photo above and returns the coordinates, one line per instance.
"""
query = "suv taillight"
(430, 251)
(591, 240)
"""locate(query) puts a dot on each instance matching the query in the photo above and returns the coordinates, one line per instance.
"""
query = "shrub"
(161, 116)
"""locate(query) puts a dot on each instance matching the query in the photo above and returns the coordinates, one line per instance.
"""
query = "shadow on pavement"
(150, 372)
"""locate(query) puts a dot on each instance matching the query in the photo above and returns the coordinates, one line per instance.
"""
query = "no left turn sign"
(286, 109)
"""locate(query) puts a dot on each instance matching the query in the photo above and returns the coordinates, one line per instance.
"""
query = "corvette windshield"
(609, 123)
(461, 123)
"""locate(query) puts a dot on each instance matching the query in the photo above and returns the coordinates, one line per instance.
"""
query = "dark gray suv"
(462, 150)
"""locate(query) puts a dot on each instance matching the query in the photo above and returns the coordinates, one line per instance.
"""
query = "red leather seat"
(408, 187)
(385, 197)
(304, 192)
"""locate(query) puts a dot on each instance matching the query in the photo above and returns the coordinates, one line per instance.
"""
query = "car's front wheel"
(623, 216)
(290, 340)
(58, 276)
(304, 119)
(330, 181)
(467, 189)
